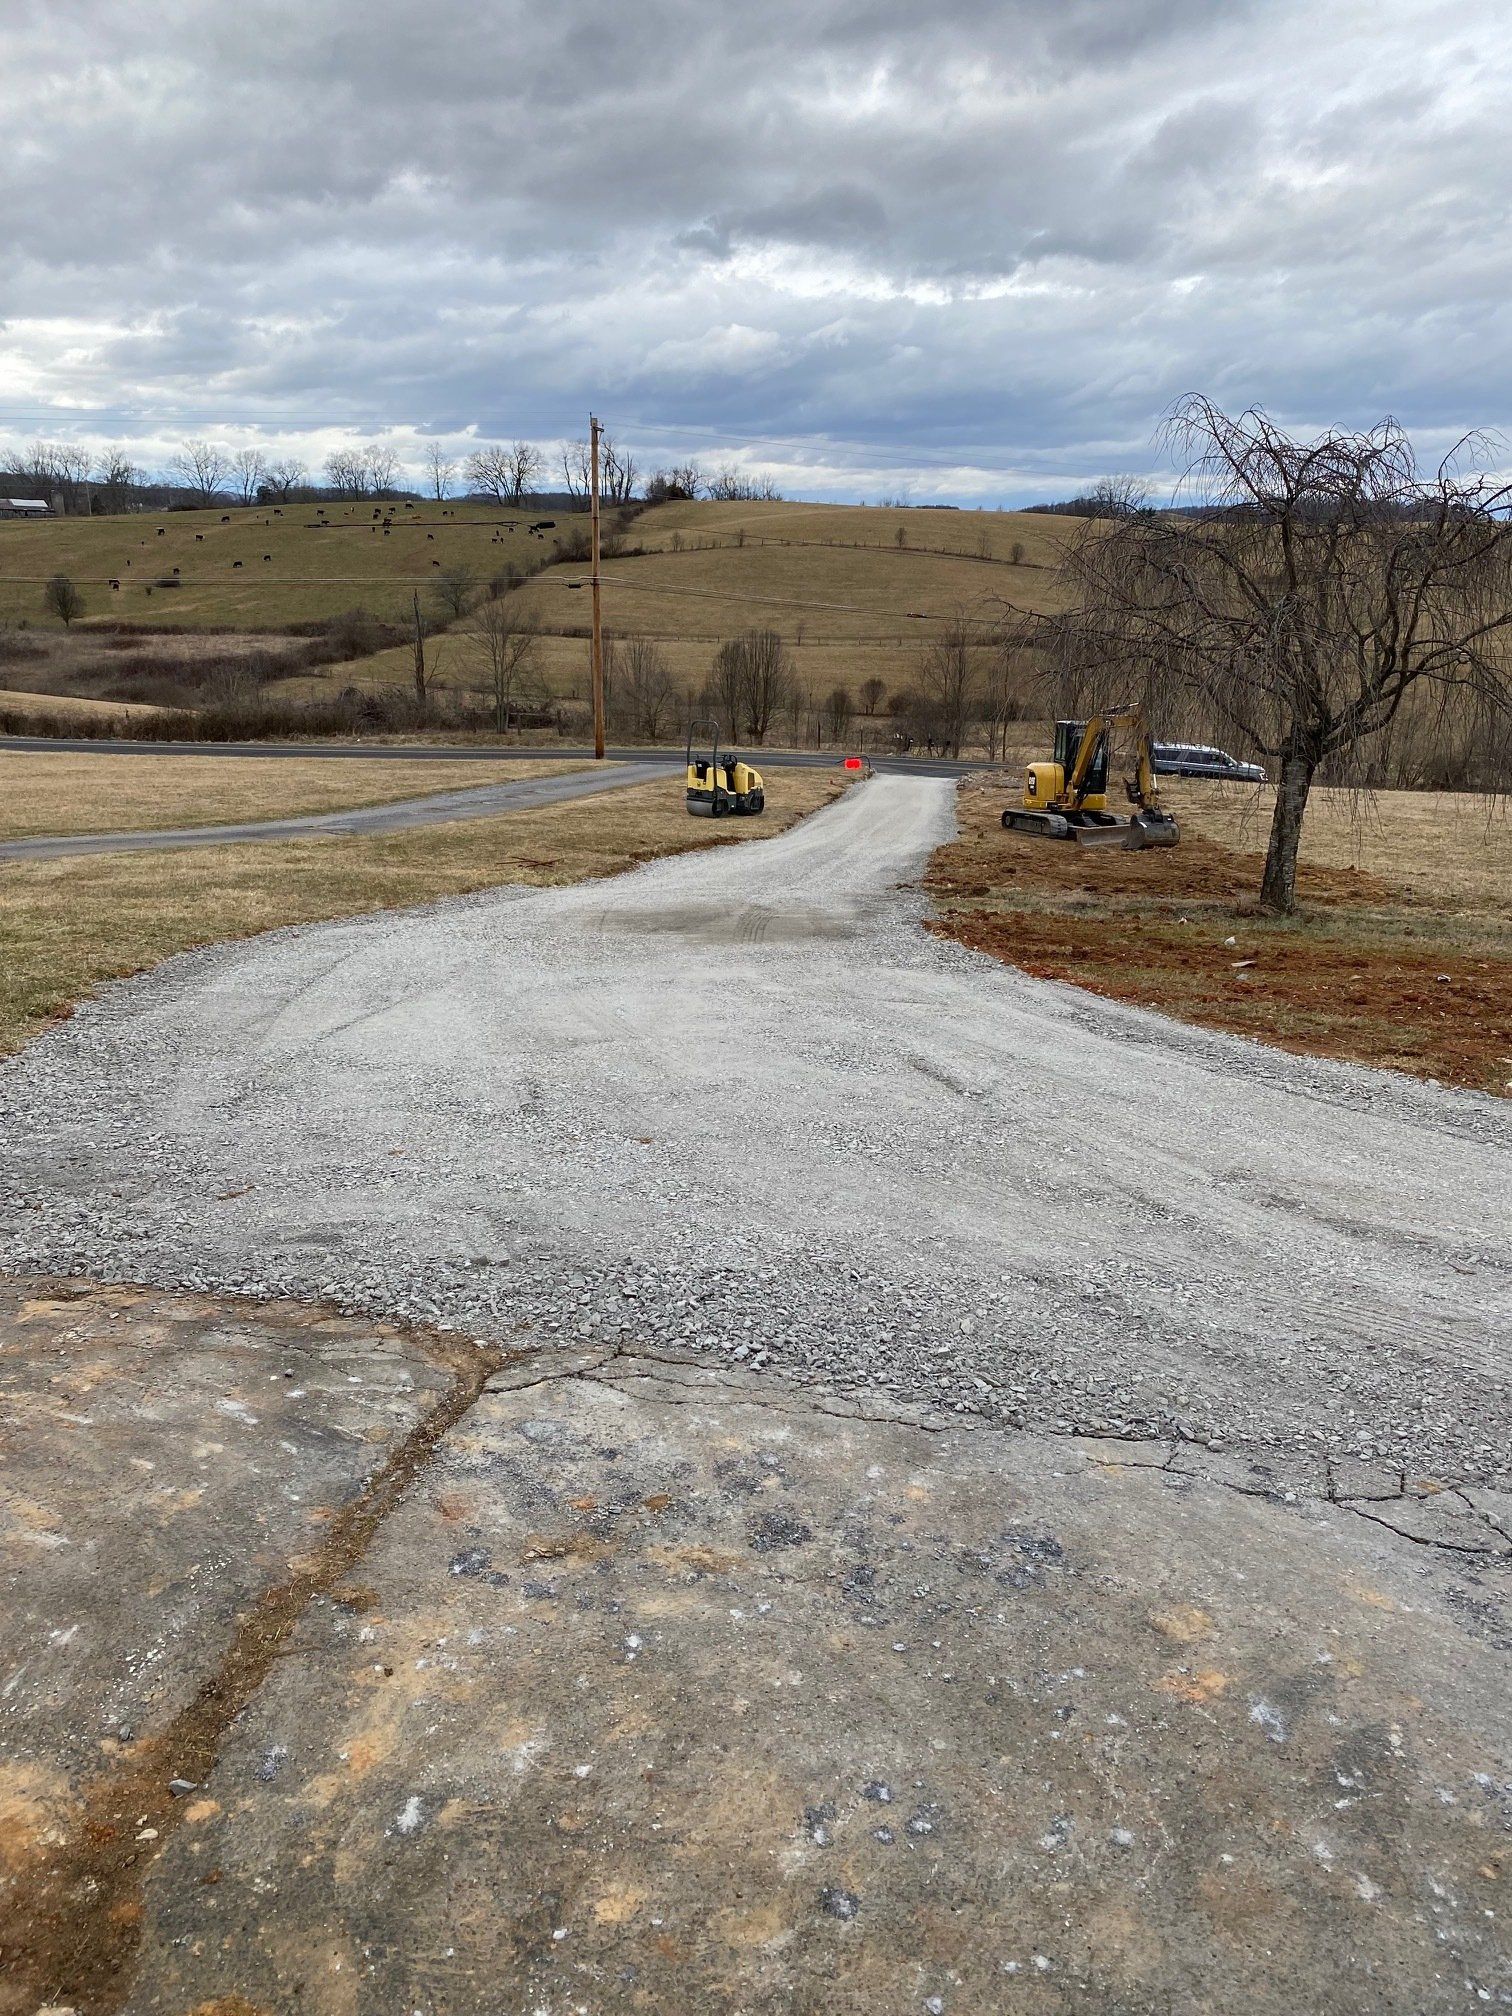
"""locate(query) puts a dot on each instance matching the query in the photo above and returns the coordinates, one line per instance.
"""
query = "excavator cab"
(719, 782)
(1067, 798)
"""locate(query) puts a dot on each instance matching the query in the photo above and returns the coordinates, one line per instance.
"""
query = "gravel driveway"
(743, 1102)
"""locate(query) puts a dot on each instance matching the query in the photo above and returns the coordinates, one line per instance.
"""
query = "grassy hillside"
(294, 566)
(855, 592)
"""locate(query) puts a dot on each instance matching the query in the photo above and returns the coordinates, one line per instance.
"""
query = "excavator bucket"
(1145, 829)
(1152, 829)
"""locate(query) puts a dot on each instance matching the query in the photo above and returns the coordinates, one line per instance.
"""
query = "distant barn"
(22, 507)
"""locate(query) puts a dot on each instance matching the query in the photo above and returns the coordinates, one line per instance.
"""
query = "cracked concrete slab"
(164, 1460)
(661, 1686)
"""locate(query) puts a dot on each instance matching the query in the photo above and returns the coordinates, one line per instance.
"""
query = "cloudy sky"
(966, 249)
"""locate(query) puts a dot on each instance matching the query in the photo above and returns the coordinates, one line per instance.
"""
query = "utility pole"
(598, 627)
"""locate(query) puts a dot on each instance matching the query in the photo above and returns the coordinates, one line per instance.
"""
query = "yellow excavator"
(717, 783)
(1067, 798)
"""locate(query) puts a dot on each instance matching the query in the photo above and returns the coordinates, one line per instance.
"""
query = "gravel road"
(742, 1101)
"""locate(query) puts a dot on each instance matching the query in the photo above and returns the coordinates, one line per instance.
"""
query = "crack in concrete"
(1180, 1460)
(70, 1925)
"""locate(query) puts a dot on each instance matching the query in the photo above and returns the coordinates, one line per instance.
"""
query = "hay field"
(42, 793)
(848, 601)
(294, 566)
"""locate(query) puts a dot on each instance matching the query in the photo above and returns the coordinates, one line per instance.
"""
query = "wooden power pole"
(598, 627)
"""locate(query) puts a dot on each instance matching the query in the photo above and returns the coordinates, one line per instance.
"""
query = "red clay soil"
(992, 863)
(1432, 1012)
(1363, 975)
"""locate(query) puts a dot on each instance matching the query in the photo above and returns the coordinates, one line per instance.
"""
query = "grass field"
(313, 567)
(1401, 954)
(68, 793)
(849, 601)
(69, 925)
(68, 706)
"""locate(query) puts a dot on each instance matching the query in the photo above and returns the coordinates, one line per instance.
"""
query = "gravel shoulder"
(742, 1103)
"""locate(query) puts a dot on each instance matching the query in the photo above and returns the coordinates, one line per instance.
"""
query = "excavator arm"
(1142, 787)
(1066, 800)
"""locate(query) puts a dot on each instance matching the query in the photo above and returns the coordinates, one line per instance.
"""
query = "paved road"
(773, 759)
(480, 802)
(743, 1099)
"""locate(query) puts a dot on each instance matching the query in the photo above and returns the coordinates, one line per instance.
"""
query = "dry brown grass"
(69, 925)
(847, 601)
(69, 793)
(69, 705)
(1451, 849)
(1401, 956)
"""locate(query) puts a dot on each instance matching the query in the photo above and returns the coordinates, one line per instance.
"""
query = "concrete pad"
(667, 1692)
(165, 1459)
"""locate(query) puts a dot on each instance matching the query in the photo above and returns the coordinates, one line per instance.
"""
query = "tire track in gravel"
(742, 1101)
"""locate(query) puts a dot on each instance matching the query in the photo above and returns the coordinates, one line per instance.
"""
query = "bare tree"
(456, 589)
(577, 458)
(733, 486)
(947, 687)
(380, 467)
(248, 468)
(116, 474)
(56, 468)
(751, 678)
(838, 709)
(525, 465)
(282, 479)
(439, 470)
(490, 473)
(37, 466)
(1002, 684)
(73, 466)
(641, 688)
(618, 475)
(1318, 585)
(346, 472)
(506, 644)
(871, 694)
(200, 466)
(62, 599)
(677, 485)
(505, 472)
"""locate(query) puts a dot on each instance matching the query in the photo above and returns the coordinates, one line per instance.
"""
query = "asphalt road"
(772, 759)
(479, 802)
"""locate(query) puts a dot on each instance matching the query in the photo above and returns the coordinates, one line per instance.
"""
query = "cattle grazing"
(162, 531)
(225, 517)
(199, 538)
(236, 563)
(266, 556)
(115, 584)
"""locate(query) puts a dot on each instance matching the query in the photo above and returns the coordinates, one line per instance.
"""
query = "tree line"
(208, 472)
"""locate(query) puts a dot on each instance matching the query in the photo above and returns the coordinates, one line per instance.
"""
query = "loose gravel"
(742, 1104)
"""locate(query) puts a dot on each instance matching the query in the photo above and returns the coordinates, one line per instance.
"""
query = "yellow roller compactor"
(719, 784)
(1067, 799)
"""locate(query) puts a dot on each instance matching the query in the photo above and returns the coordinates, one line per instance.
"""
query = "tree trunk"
(1278, 887)
(419, 662)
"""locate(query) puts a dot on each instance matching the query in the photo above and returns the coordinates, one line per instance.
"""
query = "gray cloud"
(981, 245)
